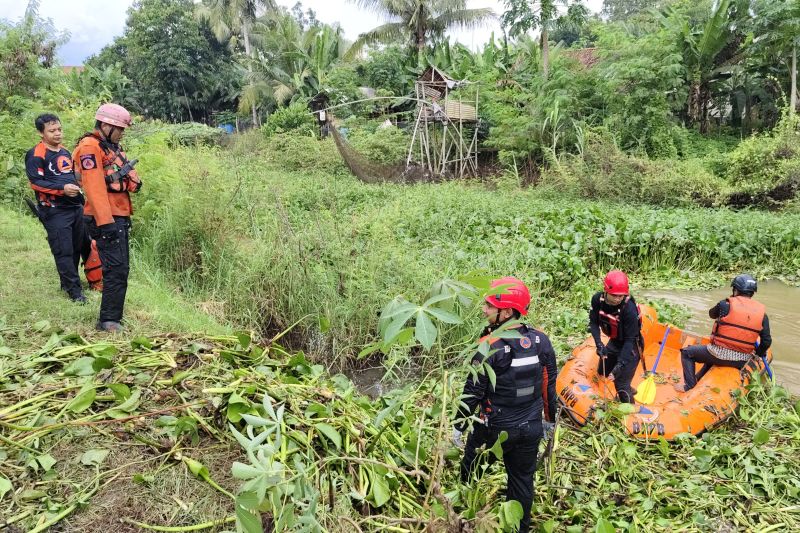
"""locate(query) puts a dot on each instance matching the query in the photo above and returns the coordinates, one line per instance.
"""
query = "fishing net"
(371, 172)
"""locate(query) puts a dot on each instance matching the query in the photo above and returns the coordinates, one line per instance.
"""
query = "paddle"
(647, 389)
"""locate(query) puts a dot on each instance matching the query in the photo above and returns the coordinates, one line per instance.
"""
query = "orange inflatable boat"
(580, 387)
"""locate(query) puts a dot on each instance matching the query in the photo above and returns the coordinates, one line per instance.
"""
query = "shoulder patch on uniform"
(88, 162)
(525, 342)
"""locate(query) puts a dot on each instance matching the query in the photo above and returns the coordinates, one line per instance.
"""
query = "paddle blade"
(646, 392)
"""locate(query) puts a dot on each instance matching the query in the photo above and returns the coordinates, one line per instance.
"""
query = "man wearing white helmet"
(108, 178)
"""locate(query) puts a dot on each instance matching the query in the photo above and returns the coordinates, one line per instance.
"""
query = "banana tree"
(776, 25)
(708, 53)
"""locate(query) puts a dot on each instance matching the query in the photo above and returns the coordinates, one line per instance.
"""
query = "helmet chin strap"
(496, 323)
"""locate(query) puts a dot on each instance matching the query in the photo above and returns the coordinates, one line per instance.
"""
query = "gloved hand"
(109, 232)
(457, 438)
(548, 428)
(601, 350)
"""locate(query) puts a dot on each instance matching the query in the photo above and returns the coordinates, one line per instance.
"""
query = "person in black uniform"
(59, 202)
(615, 313)
(525, 386)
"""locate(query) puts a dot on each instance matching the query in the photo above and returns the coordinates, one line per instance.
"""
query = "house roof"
(587, 57)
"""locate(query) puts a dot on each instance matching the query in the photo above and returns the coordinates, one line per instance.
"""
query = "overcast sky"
(92, 24)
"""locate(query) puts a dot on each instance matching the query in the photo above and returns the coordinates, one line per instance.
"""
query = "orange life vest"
(741, 327)
(93, 269)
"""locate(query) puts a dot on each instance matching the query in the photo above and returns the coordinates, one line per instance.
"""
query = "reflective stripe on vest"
(516, 386)
(741, 327)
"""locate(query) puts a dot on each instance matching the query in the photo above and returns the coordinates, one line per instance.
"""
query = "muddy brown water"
(783, 310)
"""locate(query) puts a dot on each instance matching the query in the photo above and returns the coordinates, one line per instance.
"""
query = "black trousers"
(66, 234)
(114, 253)
(520, 452)
(624, 376)
(699, 354)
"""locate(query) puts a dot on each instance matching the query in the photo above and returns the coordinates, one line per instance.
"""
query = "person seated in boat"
(524, 390)
(615, 313)
(740, 331)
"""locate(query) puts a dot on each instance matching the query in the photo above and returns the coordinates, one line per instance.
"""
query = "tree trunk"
(247, 51)
(545, 54)
(693, 111)
(793, 99)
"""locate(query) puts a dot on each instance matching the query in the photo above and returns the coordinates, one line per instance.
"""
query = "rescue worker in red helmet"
(108, 178)
(741, 331)
(525, 386)
(615, 313)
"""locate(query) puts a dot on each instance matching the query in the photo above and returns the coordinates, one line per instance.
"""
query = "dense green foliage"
(177, 69)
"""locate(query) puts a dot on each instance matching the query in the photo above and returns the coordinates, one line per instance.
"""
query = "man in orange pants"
(108, 179)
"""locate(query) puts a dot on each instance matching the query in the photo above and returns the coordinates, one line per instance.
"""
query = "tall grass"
(270, 247)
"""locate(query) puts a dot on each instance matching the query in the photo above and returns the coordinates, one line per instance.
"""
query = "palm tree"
(231, 19)
(546, 15)
(417, 21)
(290, 62)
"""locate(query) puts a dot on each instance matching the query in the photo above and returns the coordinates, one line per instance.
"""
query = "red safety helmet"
(616, 282)
(515, 295)
(114, 114)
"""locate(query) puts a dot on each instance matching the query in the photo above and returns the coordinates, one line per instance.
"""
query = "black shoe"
(79, 299)
(110, 326)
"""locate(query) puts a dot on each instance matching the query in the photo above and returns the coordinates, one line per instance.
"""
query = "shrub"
(304, 152)
(605, 171)
(295, 118)
(765, 169)
(385, 145)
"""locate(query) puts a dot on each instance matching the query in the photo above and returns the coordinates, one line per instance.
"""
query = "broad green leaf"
(94, 457)
(80, 367)
(104, 350)
(244, 471)
(324, 324)
(368, 349)
(394, 329)
(246, 520)
(126, 407)
(47, 461)
(101, 363)
(604, 526)
(425, 332)
(445, 316)
(497, 447)
(511, 514)
(32, 494)
(244, 339)
(121, 391)
(41, 325)
(141, 342)
(5, 486)
(83, 400)
(761, 436)
(236, 406)
(5, 351)
(490, 374)
(330, 433)
(143, 479)
(380, 488)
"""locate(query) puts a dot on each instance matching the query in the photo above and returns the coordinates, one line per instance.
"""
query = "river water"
(783, 310)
